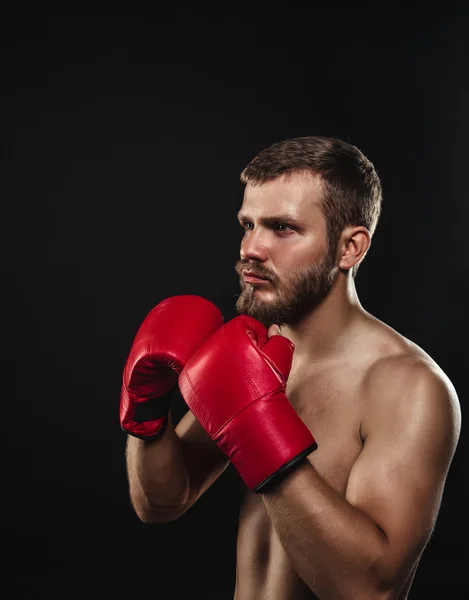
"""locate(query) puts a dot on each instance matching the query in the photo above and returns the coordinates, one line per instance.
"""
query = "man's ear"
(354, 244)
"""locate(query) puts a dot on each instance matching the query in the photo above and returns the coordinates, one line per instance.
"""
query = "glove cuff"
(265, 441)
(270, 482)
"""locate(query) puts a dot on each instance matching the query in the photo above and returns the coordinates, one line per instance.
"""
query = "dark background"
(122, 146)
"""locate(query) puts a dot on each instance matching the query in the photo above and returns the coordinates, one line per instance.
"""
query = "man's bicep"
(399, 477)
(205, 462)
(399, 493)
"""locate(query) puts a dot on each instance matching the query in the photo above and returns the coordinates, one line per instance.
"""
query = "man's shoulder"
(404, 366)
(397, 360)
(407, 383)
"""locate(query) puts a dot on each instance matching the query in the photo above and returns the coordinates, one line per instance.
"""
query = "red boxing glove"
(173, 330)
(235, 386)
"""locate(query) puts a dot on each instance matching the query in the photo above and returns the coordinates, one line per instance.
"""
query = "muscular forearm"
(158, 478)
(335, 548)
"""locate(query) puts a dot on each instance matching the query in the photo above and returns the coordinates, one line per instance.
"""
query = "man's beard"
(296, 296)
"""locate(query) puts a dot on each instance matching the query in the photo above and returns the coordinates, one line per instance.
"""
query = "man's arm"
(166, 476)
(366, 544)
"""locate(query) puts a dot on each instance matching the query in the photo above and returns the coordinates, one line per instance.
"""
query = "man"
(342, 429)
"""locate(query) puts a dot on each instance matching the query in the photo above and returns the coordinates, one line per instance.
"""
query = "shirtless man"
(358, 470)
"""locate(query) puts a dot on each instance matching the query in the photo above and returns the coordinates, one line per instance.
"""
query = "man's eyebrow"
(283, 218)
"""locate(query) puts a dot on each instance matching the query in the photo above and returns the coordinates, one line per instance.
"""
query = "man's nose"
(254, 247)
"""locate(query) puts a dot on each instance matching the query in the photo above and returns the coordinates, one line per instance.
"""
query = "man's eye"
(281, 227)
(246, 225)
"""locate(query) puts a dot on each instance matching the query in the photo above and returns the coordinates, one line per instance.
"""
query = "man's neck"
(325, 332)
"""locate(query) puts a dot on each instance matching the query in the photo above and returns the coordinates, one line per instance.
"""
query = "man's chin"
(253, 301)
(258, 293)
(261, 311)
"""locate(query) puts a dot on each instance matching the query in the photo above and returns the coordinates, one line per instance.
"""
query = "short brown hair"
(352, 188)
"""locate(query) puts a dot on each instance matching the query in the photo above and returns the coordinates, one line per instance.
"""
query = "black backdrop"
(123, 141)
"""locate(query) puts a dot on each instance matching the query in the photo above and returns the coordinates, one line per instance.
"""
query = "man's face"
(284, 244)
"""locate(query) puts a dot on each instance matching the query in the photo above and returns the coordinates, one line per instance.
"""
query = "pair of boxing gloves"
(231, 377)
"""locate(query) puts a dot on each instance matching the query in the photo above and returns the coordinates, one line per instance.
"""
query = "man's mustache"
(254, 269)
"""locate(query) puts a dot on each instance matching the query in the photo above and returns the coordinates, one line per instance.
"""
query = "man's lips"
(251, 277)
